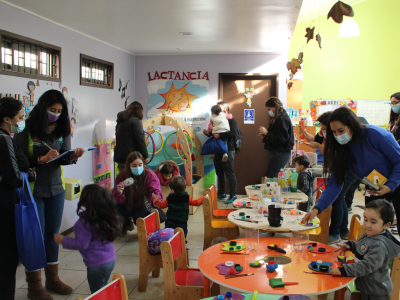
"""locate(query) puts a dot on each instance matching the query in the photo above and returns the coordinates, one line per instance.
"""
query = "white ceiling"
(148, 27)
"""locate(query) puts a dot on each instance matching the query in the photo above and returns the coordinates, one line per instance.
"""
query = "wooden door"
(252, 161)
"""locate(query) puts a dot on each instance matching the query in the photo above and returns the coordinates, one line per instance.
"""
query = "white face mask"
(271, 113)
(343, 139)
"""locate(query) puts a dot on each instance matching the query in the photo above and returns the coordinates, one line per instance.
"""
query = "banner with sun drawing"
(184, 99)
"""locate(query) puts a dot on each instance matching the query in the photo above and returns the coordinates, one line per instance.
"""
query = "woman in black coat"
(12, 162)
(129, 134)
(279, 138)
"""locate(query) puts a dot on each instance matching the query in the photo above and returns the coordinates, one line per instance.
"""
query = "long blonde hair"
(275, 102)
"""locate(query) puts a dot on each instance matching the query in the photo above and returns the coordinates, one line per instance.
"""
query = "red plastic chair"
(218, 213)
(148, 263)
(115, 290)
(184, 283)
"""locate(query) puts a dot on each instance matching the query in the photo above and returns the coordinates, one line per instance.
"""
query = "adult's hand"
(261, 136)
(313, 145)
(383, 189)
(120, 188)
(78, 152)
(309, 137)
(216, 135)
(311, 215)
(52, 154)
(263, 130)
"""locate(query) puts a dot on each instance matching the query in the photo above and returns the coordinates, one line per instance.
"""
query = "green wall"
(363, 67)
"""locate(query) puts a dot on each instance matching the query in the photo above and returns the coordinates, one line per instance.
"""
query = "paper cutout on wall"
(65, 93)
(184, 99)
(123, 90)
(249, 94)
(31, 88)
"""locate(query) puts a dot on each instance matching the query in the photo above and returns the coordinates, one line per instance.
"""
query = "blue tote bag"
(30, 243)
(213, 146)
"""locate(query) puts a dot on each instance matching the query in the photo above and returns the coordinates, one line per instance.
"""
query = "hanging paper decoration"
(339, 10)
(294, 65)
(318, 38)
(249, 94)
(289, 85)
(310, 34)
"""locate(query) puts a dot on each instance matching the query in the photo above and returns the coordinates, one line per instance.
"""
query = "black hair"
(224, 104)
(384, 208)
(38, 117)
(216, 109)
(302, 161)
(394, 118)
(9, 107)
(167, 169)
(338, 157)
(101, 212)
(324, 118)
(178, 184)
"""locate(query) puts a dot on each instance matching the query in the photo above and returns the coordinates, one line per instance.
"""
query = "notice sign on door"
(249, 116)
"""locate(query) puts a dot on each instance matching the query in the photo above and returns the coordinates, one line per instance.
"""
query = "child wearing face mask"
(178, 203)
(304, 181)
(136, 201)
(218, 124)
(372, 253)
(166, 170)
(97, 227)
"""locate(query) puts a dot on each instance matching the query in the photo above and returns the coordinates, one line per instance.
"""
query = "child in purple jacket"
(98, 226)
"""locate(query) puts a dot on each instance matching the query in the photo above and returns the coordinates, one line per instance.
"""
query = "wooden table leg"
(339, 294)
(206, 292)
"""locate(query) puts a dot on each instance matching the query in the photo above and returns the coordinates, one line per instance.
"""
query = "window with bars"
(25, 57)
(96, 72)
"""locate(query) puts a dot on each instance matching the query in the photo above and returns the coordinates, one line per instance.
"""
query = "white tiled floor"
(73, 270)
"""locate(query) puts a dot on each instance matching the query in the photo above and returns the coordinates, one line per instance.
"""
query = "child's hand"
(343, 249)
(154, 196)
(335, 272)
(120, 188)
(58, 238)
(155, 204)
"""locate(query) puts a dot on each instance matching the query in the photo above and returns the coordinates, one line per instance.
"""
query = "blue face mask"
(343, 139)
(271, 114)
(19, 128)
(137, 171)
(396, 109)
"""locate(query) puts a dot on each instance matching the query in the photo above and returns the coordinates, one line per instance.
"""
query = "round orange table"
(309, 284)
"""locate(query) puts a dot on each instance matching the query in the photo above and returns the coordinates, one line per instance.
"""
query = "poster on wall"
(249, 116)
(102, 165)
(183, 95)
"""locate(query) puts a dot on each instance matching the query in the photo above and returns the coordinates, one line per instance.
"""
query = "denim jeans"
(98, 276)
(277, 160)
(350, 193)
(141, 212)
(340, 212)
(223, 169)
(173, 225)
(50, 211)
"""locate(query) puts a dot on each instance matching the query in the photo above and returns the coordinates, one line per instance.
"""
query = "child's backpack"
(238, 140)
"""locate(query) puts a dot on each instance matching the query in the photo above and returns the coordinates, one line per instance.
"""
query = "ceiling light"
(349, 28)
(185, 33)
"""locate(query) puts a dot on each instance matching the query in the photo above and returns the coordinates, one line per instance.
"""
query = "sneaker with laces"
(333, 239)
(350, 210)
(230, 200)
(344, 236)
(221, 196)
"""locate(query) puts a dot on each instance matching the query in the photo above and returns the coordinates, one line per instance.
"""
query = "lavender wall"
(97, 107)
(214, 64)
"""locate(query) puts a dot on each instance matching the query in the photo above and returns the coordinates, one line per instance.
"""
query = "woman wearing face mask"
(279, 138)
(12, 163)
(46, 136)
(318, 141)
(359, 149)
(394, 115)
(136, 200)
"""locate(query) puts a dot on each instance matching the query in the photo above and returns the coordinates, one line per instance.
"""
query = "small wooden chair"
(184, 283)
(356, 229)
(148, 263)
(215, 227)
(218, 213)
(115, 290)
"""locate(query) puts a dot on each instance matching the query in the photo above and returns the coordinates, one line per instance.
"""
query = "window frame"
(35, 43)
(104, 62)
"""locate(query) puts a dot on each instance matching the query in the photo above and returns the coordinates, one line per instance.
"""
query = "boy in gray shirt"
(372, 253)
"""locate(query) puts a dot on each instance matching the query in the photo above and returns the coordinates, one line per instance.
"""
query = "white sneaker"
(224, 157)
(212, 156)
